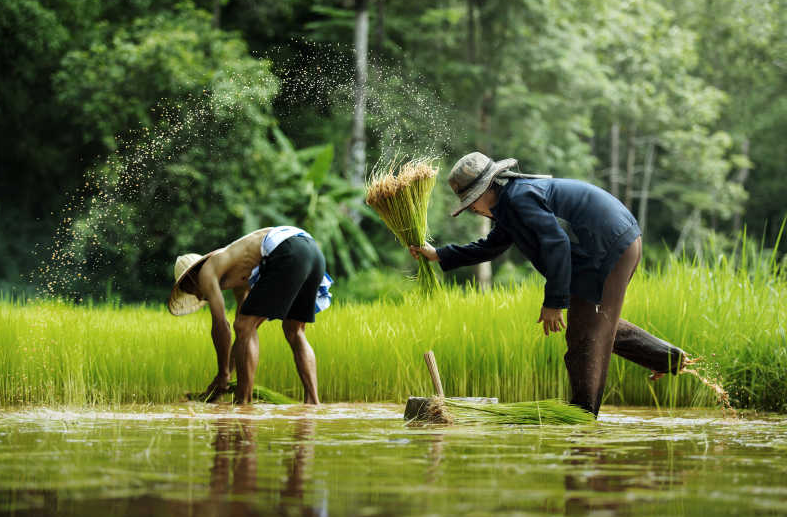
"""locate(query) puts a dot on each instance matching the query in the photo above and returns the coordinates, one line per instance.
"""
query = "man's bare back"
(232, 265)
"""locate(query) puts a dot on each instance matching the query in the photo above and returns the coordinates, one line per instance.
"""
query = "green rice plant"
(489, 345)
(540, 412)
(401, 200)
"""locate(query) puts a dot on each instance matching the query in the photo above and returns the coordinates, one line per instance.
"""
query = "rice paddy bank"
(487, 344)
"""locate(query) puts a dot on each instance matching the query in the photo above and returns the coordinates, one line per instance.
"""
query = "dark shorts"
(289, 278)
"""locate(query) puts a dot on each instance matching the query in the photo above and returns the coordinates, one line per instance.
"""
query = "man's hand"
(427, 250)
(552, 319)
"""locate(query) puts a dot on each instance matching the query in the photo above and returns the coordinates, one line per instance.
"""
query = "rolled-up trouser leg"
(636, 345)
(590, 332)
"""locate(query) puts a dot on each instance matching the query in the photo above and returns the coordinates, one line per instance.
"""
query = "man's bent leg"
(247, 354)
(305, 361)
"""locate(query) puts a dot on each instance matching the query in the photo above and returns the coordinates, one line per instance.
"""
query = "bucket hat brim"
(481, 184)
(180, 302)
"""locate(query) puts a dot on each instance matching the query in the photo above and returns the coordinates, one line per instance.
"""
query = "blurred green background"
(137, 131)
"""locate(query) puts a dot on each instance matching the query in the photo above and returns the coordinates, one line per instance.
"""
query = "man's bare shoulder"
(232, 264)
(256, 235)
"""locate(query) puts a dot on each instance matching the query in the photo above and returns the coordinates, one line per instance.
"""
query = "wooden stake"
(431, 363)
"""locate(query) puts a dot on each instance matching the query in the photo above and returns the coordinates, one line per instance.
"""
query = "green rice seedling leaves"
(263, 394)
(538, 412)
(401, 200)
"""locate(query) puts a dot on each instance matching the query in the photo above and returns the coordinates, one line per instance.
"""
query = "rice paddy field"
(487, 344)
(96, 421)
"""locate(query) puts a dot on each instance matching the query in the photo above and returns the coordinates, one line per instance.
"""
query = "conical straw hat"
(180, 302)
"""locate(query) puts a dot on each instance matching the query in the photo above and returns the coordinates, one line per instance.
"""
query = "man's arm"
(240, 294)
(482, 250)
(220, 329)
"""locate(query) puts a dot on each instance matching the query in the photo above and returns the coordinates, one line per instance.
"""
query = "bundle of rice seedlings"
(541, 412)
(258, 393)
(401, 201)
(263, 394)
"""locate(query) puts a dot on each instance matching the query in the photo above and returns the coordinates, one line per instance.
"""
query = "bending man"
(274, 273)
(586, 244)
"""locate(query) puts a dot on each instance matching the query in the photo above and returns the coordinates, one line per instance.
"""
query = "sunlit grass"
(486, 344)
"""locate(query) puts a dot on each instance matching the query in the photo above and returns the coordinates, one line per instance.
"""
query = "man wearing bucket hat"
(274, 273)
(587, 245)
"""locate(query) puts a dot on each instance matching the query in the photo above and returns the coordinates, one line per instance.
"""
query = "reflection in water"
(433, 471)
(236, 457)
(236, 453)
(289, 463)
(591, 483)
(602, 475)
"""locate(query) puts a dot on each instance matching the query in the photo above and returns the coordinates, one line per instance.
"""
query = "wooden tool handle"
(431, 363)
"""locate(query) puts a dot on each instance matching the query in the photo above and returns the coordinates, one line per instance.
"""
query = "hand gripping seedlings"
(401, 201)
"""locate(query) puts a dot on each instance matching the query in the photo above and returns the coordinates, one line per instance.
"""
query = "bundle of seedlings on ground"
(542, 412)
(263, 394)
(258, 394)
(401, 201)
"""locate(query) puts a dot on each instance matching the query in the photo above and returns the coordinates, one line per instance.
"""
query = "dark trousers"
(591, 331)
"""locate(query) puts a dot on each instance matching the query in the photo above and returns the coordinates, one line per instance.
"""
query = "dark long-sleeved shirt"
(571, 231)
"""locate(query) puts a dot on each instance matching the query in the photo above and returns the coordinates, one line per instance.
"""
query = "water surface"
(204, 460)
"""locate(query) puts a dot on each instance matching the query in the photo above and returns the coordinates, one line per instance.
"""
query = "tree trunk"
(647, 174)
(379, 32)
(216, 21)
(483, 271)
(614, 154)
(358, 146)
(630, 163)
(470, 32)
(741, 177)
(686, 232)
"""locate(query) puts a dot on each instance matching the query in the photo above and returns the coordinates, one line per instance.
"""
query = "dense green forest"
(136, 131)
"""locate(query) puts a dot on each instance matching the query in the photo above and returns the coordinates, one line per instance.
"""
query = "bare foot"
(215, 389)
(654, 375)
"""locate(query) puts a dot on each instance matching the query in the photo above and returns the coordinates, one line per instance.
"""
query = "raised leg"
(305, 362)
(644, 349)
(246, 352)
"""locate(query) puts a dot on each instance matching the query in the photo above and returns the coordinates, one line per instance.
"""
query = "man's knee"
(292, 330)
(245, 326)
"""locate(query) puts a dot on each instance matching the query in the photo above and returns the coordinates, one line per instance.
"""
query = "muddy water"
(198, 460)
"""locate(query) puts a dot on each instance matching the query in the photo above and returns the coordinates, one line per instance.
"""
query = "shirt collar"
(502, 202)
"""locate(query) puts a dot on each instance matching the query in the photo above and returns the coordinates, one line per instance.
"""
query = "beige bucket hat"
(180, 302)
(473, 173)
(471, 176)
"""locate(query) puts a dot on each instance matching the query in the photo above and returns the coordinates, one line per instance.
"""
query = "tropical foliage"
(143, 130)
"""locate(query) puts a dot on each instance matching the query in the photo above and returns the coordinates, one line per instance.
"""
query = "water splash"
(703, 371)
(99, 221)
(715, 385)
